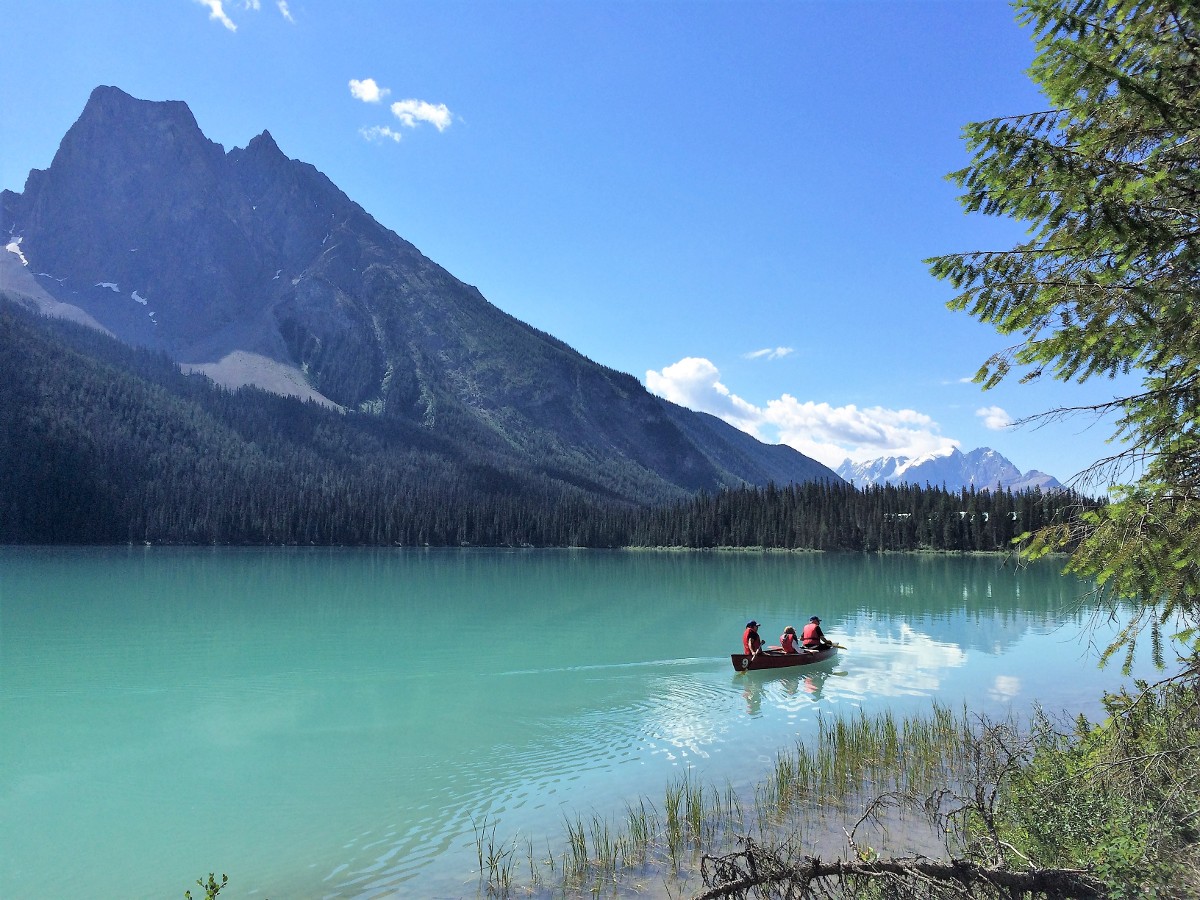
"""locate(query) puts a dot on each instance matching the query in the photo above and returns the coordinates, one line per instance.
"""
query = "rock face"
(982, 468)
(172, 243)
(255, 268)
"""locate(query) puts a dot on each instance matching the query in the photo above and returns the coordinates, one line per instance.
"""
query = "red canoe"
(744, 663)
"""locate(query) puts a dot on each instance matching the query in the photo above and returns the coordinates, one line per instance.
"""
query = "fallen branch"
(734, 875)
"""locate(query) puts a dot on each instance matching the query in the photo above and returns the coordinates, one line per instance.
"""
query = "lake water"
(339, 722)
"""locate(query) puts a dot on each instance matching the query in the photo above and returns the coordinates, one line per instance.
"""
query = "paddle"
(832, 646)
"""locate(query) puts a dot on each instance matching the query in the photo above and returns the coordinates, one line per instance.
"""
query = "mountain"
(255, 269)
(981, 468)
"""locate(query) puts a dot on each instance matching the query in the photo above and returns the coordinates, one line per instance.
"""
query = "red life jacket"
(811, 635)
(788, 640)
(750, 641)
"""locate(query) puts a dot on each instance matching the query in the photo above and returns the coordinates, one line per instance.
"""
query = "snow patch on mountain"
(14, 246)
(17, 281)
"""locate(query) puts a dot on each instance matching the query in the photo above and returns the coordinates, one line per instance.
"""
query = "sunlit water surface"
(340, 723)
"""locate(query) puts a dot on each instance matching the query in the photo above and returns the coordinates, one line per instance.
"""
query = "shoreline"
(922, 551)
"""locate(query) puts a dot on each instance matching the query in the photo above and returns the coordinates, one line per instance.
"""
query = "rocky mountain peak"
(982, 468)
(263, 143)
(122, 138)
(256, 269)
(108, 105)
(263, 156)
(138, 223)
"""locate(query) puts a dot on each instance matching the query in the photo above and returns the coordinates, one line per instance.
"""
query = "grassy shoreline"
(814, 791)
(1067, 809)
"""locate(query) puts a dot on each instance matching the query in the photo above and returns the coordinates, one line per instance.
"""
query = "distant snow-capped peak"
(982, 468)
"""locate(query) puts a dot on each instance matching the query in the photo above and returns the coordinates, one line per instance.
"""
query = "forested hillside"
(100, 442)
(104, 443)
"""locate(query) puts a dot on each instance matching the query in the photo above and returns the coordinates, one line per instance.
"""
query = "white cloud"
(380, 133)
(216, 10)
(994, 418)
(826, 433)
(412, 112)
(695, 383)
(833, 433)
(367, 90)
(769, 353)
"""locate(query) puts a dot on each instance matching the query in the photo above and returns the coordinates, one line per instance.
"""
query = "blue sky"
(728, 200)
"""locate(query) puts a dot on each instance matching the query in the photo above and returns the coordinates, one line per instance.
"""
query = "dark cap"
(751, 624)
(815, 619)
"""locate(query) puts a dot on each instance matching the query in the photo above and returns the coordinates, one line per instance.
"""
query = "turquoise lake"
(328, 723)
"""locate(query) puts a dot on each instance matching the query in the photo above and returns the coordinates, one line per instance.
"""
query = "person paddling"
(813, 638)
(751, 642)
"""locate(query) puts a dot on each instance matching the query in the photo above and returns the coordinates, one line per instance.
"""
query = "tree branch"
(755, 868)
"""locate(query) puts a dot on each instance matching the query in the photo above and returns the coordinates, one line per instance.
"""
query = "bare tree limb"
(734, 876)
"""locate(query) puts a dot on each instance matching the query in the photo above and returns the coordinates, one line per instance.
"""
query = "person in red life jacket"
(813, 638)
(787, 640)
(751, 642)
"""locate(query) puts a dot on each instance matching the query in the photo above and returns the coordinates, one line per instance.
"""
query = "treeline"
(103, 443)
(838, 516)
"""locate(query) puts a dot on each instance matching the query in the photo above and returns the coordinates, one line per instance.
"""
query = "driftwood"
(733, 877)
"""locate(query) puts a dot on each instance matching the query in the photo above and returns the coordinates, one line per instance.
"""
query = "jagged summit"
(263, 143)
(115, 127)
(109, 102)
(982, 468)
(256, 269)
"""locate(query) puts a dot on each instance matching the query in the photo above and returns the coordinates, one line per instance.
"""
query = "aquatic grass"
(697, 811)
(672, 805)
(726, 815)
(605, 846)
(535, 872)
(860, 753)
(575, 860)
(497, 861)
(641, 825)
(839, 771)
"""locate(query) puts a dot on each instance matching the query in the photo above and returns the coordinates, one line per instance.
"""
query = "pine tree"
(1108, 180)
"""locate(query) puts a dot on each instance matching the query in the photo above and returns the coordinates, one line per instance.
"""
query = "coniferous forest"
(104, 443)
(823, 516)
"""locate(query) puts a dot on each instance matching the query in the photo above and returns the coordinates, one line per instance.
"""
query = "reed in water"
(817, 790)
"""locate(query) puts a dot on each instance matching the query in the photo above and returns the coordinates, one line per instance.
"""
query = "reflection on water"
(339, 723)
(1005, 688)
(893, 659)
(784, 688)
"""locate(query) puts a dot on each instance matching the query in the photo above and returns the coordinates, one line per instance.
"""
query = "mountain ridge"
(981, 468)
(255, 268)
